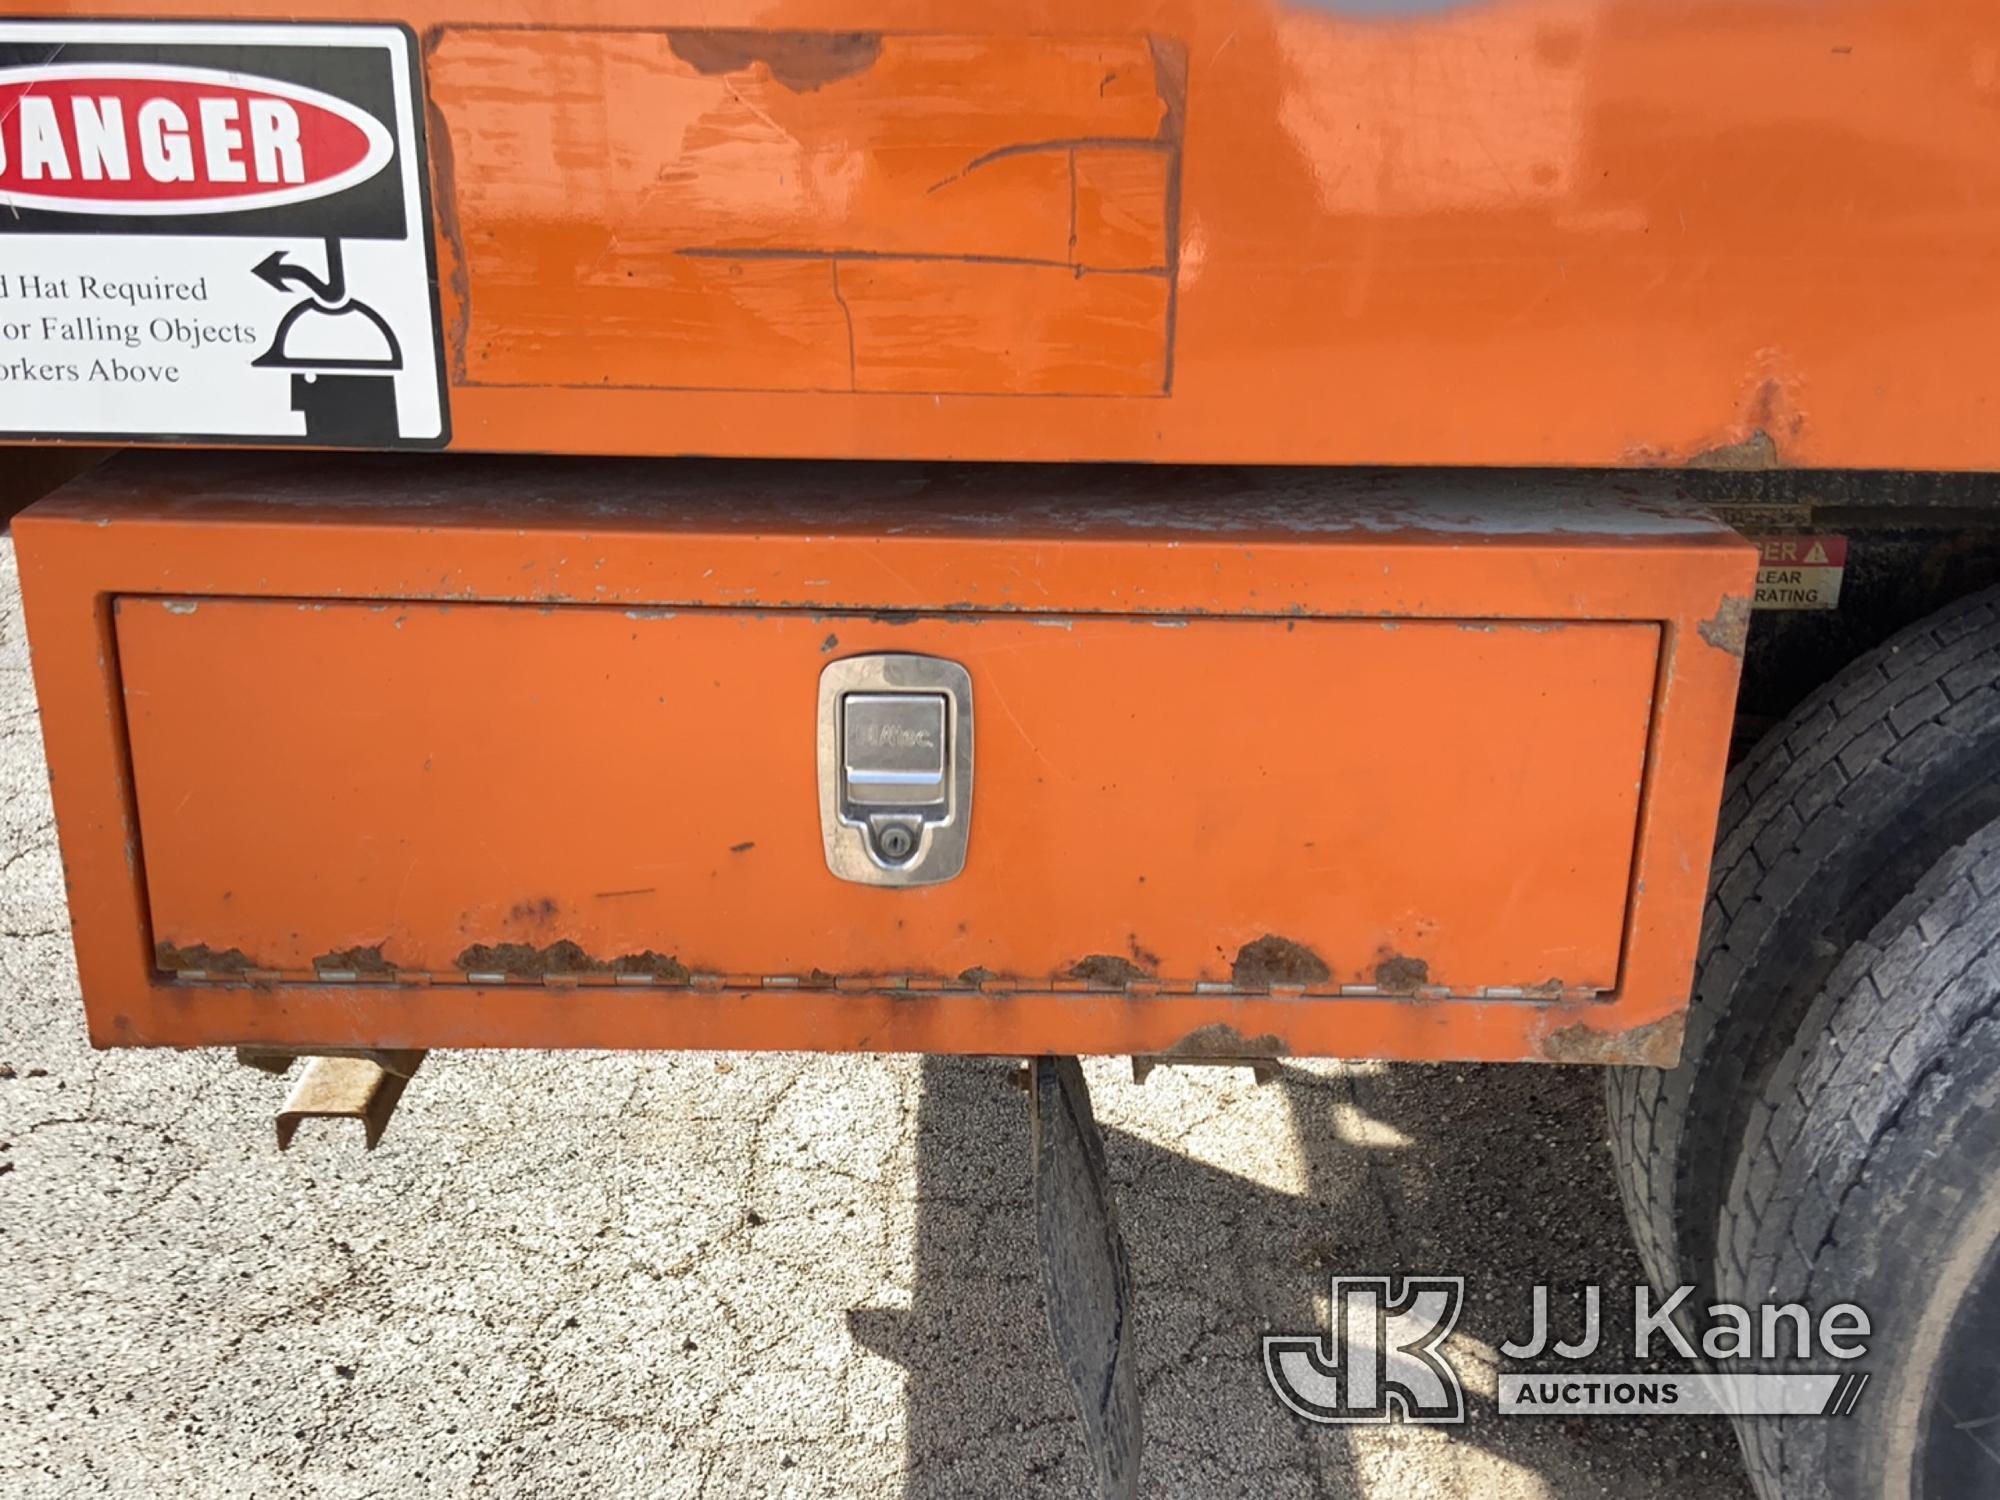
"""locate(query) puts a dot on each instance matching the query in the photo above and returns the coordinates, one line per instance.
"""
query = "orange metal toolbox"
(434, 752)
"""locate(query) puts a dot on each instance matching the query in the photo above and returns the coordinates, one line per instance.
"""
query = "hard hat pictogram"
(328, 330)
(342, 353)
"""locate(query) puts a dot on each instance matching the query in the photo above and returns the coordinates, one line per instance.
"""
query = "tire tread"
(1858, 753)
(1876, 1053)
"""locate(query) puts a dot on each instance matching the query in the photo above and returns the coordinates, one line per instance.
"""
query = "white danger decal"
(216, 231)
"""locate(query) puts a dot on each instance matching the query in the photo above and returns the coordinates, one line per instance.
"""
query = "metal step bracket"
(364, 1088)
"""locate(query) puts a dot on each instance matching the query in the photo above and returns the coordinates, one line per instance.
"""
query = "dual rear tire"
(1831, 1130)
(1867, 1176)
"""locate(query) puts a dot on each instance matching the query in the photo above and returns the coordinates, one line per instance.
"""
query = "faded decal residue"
(812, 211)
(1482, 109)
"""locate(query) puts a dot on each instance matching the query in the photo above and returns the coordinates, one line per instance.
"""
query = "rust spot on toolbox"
(1655, 1045)
(524, 961)
(661, 966)
(1107, 971)
(368, 960)
(199, 958)
(1728, 629)
(1400, 975)
(1753, 454)
(1276, 960)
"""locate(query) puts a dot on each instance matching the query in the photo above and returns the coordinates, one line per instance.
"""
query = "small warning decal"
(1800, 572)
(216, 232)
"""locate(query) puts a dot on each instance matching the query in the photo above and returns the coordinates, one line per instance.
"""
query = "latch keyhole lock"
(895, 768)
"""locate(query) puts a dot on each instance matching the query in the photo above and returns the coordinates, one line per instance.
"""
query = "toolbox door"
(426, 792)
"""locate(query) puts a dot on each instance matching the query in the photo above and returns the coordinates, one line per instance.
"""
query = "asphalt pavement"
(734, 1275)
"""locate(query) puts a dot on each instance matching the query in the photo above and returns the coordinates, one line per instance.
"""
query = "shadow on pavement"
(1496, 1174)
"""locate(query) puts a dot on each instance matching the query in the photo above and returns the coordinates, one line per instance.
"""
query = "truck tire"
(1867, 1176)
(1829, 821)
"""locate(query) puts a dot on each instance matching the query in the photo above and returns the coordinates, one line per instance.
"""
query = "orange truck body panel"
(511, 753)
(1520, 232)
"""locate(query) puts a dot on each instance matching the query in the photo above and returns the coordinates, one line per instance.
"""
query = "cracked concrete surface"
(700, 1275)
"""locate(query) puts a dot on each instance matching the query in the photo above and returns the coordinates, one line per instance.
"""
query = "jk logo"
(1379, 1361)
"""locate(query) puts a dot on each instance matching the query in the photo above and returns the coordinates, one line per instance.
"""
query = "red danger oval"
(119, 138)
